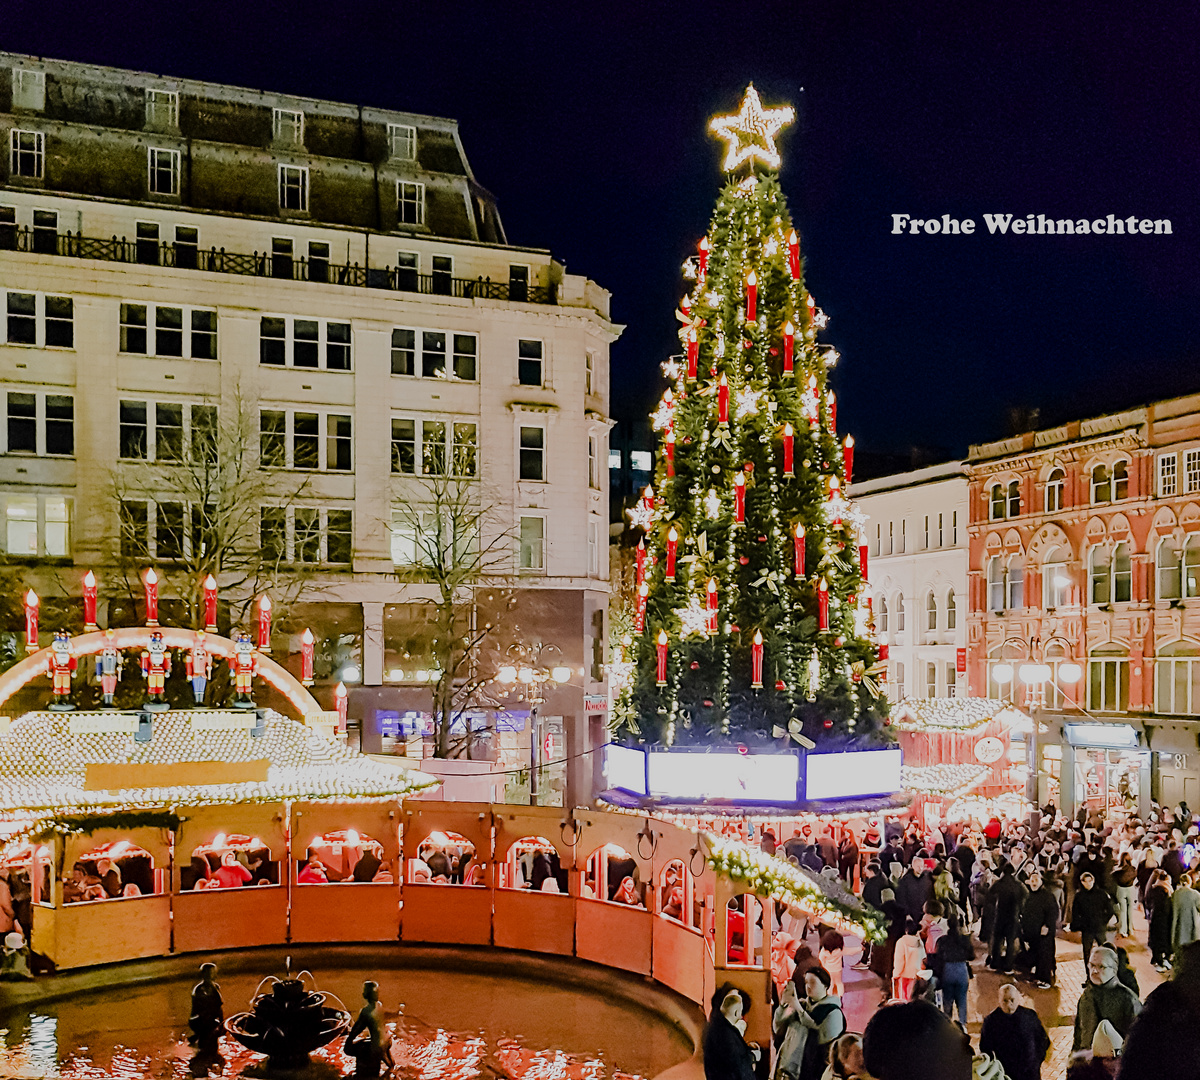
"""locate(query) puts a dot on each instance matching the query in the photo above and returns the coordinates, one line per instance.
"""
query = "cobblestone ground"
(1056, 1006)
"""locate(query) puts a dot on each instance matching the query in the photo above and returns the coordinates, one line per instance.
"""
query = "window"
(930, 680)
(58, 526)
(164, 171)
(272, 341)
(954, 527)
(162, 431)
(318, 260)
(1122, 575)
(883, 615)
(168, 331)
(146, 249)
(410, 202)
(39, 423)
(8, 228)
(518, 283)
(465, 350)
(168, 530)
(339, 536)
(891, 537)
(168, 432)
(22, 319)
(402, 141)
(272, 533)
(1056, 581)
(532, 533)
(45, 232)
(27, 153)
(875, 544)
(134, 431)
(1177, 684)
(589, 372)
(951, 611)
(443, 275)
(1015, 584)
(614, 459)
(998, 502)
(529, 362)
(133, 328)
(900, 614)
(28, 89)
(1191, 567)
(1166, 560)
(903, 534)
(1054, 490)
(187, 247)
(60, 425)
(433, 447)
(22, 423)
(1167, 474)
(1108, 683)
(1014, 499)
(287, 127)
(1191, 471)
(60, 322)
(21, 516)
(464, 450)
(1101, 484)
(404, 352)
(171, 336)
(339, 443)
(433, 354)
(940, 533)
(135, 529)
(532, 453)
(899, 680)
(951, 680)
(404, 446)
(205, 433)
(293, 187)
(995, 584)
(408, 265)
(306, 343)
(282, 250)
(306, 440)
(1120, 480)
(925, 542)
(204, 335)
(593, 540)
(307, 535)
(593, 462)
(337, 346)
(931, 614)
(162, 109)
(273, 438)
(305, 337)
(1100, 573)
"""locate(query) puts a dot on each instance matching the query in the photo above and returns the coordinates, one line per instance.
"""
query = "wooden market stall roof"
(954, 715)
(92, 762)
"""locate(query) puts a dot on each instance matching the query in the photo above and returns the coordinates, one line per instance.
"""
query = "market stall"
(534, 856)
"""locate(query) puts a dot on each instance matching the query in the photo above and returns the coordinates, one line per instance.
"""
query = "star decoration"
(820, 319)
(751, 133)
(693, 618)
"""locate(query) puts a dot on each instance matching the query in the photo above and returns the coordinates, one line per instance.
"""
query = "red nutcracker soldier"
(245, 662)
(199, 666)
(108, 667)
(156, 666)
(61, 665)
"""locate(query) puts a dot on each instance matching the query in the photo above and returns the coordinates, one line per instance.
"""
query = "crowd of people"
(1012, 887)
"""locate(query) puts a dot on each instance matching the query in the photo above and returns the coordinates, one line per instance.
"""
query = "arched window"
(1101, 484)
(1177, 680)
(995, 583)
(1098, 575)
(951, 611)
(1056, 581)
(1120, 480)
(1191, 567)
(931, 612)
(883, 615)
(1054, 490)
(1108, 680)
(1015, 584)
(1166, 560)
(1014, 499)
(998, 502)
(900, 613)
(1122, 575)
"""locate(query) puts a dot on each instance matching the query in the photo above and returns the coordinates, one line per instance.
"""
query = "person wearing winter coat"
(1161, 915)
(1164, 1042)
(872, 895)
(908, 961)
(726, 1054)
(1090, 912)
(821, 1012)
(793, 1034)
(1015, 1036)
(952, 965)
(913, 891)
(1185, 914)
(883, 953)
(1104, 998)
(1009, 894)
(1125, 879)
(1039, 922)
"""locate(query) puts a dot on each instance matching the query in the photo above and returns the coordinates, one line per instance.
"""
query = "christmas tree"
(751, 621)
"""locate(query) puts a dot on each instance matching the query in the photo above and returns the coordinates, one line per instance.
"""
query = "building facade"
(176, 255)
(916, 539)
(1085, 558)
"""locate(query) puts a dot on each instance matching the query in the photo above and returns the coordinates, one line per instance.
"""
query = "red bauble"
(708, 703)
(828, 724)
(762, 539)
(780, 685)
(695, 665)
(744, 560)
(743, 749)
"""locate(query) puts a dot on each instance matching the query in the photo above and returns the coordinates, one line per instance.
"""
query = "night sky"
(589, 121)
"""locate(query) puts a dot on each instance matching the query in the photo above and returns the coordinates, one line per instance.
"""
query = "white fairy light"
(693, 618)
(712, 505)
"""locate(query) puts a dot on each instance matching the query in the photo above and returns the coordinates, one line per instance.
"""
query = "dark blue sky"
(589, 123)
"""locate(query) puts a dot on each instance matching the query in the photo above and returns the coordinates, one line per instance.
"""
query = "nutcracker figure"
(245, 661)
(62, 664)
(199, 666)
(108, 667)
(156, 666)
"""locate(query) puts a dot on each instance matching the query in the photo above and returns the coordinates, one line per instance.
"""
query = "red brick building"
(1084, 545)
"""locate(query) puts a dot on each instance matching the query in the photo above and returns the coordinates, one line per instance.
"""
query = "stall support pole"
(533, 756)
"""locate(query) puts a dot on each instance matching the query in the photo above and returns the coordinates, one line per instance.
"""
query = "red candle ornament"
(264, 623)
(793, 242)
(670, 448)
(661, 673)
(822, 605)
(89, 601)
(831, 401)
(640, 558)
(210, 603)
(639, 618)
(756, 661)
(739, 497)
(862, 558)
(31, 621)
(711, 627)
(340, 700)
(800, 541)
(723, 401)
(307, 650)
(151, 583)
(789, 446)
(703, 256)
(812, 308)
(672, 549)
(848, 457)
(693, 353)
(751, 296)
(789, 346)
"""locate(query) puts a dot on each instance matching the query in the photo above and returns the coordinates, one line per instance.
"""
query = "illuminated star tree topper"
(751, 132)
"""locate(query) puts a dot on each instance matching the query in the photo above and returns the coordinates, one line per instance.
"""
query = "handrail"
(268, 264)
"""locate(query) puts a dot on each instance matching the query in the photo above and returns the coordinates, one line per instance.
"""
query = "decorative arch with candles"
(751, 617)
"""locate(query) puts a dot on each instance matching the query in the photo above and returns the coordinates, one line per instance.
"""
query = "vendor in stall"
(82, 885)
(231, 874)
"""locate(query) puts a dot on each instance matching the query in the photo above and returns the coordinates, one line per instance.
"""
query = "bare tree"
(220, 509)
(456, 550)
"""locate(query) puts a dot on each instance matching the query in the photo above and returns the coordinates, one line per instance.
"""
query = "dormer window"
(28, 89)
(402, 142)
(287, 127)
(162, 109)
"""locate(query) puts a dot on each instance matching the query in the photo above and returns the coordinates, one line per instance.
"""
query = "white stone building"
(916, 533)
(168, 247)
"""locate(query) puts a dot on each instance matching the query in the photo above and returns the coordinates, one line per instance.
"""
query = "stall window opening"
(612, 875)
(229, 862)
(344, 857)
(533, 863)
(676, 895)
(116, 871)
(446, 858)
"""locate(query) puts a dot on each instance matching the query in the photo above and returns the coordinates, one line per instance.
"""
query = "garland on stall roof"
(771, 877)
(65, 825)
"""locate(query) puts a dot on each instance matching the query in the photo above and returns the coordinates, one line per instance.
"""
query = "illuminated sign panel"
(737, 777)
(862, 772)
(625, 768)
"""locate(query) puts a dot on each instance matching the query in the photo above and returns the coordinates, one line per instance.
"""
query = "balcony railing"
(268, 265)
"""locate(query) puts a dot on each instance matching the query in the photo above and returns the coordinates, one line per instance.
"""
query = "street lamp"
(533, 676)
